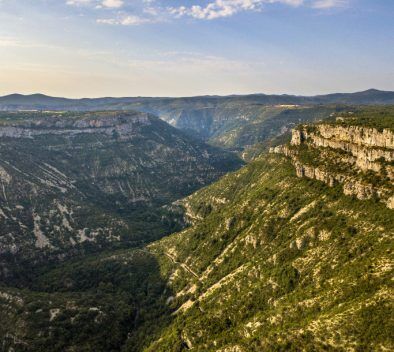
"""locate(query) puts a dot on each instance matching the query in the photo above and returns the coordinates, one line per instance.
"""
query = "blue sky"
(95, 48)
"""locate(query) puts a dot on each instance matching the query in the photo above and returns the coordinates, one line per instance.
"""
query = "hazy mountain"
(41, 101)
(234, 122)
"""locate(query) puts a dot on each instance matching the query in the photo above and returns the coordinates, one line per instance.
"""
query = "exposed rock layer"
(362, 149)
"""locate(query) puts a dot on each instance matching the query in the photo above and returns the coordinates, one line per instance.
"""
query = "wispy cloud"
(226, 8)
(110, 4)
(119, 11)
(114, 4)
(328, 4)
(154, 11)
(78, 2)
(12, 42)
(126, 20)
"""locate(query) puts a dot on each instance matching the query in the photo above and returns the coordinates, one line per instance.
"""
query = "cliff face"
(358, 157)
(361, 136)
(124, 125)
(366, 145)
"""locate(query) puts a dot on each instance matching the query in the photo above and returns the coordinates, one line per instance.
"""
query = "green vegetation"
(94, 304)
(269, 261)
(263, 124)
(292, 265)
(381, 117)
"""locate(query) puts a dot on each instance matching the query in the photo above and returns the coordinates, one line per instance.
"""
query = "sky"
(92, 48)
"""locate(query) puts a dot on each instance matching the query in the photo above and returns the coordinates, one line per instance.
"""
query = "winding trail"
(183, 265)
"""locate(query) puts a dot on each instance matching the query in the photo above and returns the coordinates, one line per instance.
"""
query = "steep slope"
(72, 180)
(264, 123)
(276, 261)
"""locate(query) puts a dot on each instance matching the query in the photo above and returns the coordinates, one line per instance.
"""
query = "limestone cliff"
(123, 124)
(358, 157)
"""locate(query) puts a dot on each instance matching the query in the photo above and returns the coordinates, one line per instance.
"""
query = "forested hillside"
(278, 261)
(74, 182)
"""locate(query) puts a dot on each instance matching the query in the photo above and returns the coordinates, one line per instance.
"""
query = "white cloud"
(328, 4)
(151, 11)
(216, 9)
(129, 20)
(226, 8)
(78, 2)
(112, 3)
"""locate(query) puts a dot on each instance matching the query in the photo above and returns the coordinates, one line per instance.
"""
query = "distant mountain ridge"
(234, 122)
(41, 101)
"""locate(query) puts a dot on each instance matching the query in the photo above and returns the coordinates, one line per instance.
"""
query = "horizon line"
(190, 96)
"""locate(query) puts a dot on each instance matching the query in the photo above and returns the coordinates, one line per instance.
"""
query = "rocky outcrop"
(317, 174)
(356, 141)
(351, 187)
(122, 124)
(369, 137)
(363, 136)
(283, 149)
(362, 149)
